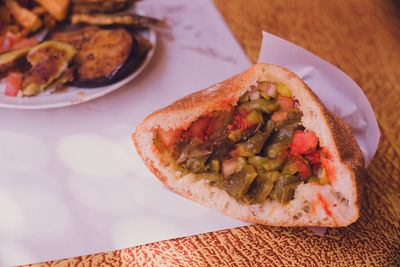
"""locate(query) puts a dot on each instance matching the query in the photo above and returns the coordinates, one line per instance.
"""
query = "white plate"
(74, 95)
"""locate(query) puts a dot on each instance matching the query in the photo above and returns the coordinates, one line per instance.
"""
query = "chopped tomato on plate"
(11, 41)
(25, 42)
(13, 84)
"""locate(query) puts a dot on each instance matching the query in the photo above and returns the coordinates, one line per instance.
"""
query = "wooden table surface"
(362, 38)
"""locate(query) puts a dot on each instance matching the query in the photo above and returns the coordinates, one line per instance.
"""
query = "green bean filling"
(247, 151)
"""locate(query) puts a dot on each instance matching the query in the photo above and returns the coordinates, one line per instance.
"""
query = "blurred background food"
(69, 21)
(23, 17)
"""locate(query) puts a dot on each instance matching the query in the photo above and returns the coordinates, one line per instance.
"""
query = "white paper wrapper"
(338, 92)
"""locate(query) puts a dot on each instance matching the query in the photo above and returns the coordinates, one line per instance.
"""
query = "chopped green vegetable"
(240, 164)
(290, 167)
(244, 98)
(196, 165)
(257, 160)
(263, 94)
(236, 135)
(215, 165)
(312, 179)
(283, 90)
(284, 188)
(270, 127)
(238, 183)
(262, 186)
(254, 117)
(274, 164)
(253, 145)
(275, 150)
(261, 105)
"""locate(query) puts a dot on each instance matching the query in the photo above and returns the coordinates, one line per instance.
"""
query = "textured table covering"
(363, 39)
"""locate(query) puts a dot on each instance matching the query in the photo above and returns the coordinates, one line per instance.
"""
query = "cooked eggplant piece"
(14, 60)
(126, 19)
(100, 52)
(49, 60)
(104, 55)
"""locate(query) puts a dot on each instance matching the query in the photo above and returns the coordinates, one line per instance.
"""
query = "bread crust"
(221, 96)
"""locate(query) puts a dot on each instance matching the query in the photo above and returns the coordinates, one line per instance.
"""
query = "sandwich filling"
(255, 151)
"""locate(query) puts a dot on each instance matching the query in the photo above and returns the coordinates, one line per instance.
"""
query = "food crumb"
(80, 93)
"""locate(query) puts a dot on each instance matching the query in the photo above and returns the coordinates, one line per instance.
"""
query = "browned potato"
(39, 10)
(5, 16)
(57, 9)
(23, 16)
(49, 22)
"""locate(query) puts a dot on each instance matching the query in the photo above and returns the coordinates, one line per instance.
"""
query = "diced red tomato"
(198, 128)
(303, 168)
(168, 137)
(303, 142)
(240, 122)
(285, 103)
(8, 41)
(13, 84)
(25, 42)
(314, 157)
(279, 116)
